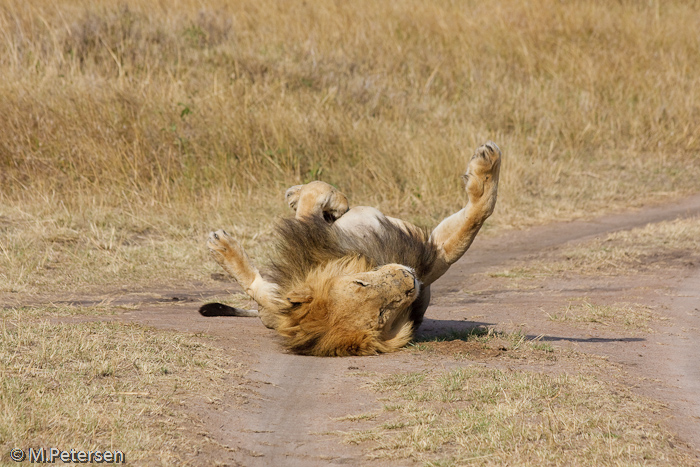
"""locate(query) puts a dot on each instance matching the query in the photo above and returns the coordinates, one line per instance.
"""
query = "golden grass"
(653, 246)
(173, 119)
(57, 311)
(486, 416)
(627, 316)
(62, 251)
(129, 130)
(660, 245)
(103, 385)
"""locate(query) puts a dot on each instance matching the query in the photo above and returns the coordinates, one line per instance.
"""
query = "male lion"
(354, 281)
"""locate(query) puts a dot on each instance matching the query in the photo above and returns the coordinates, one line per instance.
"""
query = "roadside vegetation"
(505, 403)
(669, 245)
(128, 130)
(133, 124)
(632, 317)
(477, 415)
(99, 385)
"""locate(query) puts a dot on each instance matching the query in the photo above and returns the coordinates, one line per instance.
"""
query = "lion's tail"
(219, 309)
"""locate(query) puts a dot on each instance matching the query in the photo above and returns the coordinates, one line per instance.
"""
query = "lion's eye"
(361, 283)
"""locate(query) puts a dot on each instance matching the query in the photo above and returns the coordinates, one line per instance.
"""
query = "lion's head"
(349, 308)
(347, 295)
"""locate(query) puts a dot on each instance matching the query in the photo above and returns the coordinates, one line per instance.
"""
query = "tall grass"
(197, 114)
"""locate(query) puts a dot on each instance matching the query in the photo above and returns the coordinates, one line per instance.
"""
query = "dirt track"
(293, 400)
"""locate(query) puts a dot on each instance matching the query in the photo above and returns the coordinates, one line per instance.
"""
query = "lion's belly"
(360, 221)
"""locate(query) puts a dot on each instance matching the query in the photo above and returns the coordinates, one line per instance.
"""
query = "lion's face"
(352, 313)
(374, 299)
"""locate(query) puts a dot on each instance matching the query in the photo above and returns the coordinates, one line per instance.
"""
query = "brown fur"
(313, 324)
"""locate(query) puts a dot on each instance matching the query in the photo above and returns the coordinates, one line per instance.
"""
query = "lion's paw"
(291, 196)
(316, 198)
(482, 171)
(485, 159)
(221, 245)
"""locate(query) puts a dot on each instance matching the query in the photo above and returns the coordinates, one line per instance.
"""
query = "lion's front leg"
(455, 234)
(230, 255)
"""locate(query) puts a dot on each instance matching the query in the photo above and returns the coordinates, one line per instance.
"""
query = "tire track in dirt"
(300, 398)
(680, 358)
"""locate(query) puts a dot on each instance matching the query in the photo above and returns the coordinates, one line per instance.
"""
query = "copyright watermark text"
(72, 456)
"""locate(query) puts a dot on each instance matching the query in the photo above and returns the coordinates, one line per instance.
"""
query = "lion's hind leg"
(317, 199)
(230, 255)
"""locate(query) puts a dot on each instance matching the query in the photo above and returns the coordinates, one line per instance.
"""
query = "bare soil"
(289, 410)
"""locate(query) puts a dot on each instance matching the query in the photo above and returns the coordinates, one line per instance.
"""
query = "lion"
(352, 281)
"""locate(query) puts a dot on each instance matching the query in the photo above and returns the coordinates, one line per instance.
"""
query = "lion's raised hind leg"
(317, 199)
(230, 255)
(454, 235)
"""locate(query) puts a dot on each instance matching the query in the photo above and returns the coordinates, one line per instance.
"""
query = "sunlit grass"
(654, 246)
(141, 126)
(491, 416)
(617, 316)
(103, 385)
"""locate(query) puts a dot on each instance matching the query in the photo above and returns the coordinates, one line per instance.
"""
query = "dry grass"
(619, 316)
(58, 311)
(485, 416)
(661, 245)
(496, 415)
(129, 130)
(145, 120)
(657, 245)
(100, 385)
(63, 251)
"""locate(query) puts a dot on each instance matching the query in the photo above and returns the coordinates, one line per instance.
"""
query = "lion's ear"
(300, 295)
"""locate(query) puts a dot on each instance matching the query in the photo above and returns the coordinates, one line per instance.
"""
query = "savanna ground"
(128, 131)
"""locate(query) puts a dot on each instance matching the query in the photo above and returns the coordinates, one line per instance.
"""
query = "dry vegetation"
(620, 316)
(661, 245)
(480, 342)
(574, 413)
(129, 130)
(485, 416)
(101, 385)
(670, 244)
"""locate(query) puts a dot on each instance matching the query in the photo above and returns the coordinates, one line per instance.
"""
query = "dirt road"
(296, 401)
